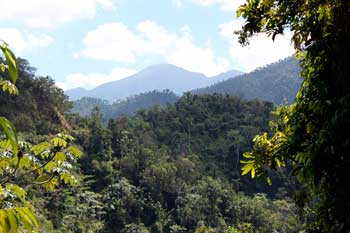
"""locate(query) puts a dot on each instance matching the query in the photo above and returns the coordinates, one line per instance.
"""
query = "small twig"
(20, 155)
(44, 182)
(35, 169)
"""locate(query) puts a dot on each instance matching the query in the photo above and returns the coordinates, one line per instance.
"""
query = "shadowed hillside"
(277, 83)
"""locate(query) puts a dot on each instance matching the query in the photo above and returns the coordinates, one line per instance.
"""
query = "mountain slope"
(76, 93)
(277, 83)
(156, 77)
(224, 76)
(40, 106)
(131, 105)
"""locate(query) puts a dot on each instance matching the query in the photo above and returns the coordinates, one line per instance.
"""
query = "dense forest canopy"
(312, 133)
(172, 168)
(177, 167)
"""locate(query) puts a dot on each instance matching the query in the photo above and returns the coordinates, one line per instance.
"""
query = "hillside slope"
(129, 106)
(277, 83)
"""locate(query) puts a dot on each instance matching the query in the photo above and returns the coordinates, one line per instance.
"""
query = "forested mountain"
(176, 169)
(219, 159)
(156, 77)
(85, 105)
(40, 106)
(277, 83)
(171, 168)
(131, 105)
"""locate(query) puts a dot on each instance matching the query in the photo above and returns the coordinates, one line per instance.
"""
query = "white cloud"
(116, 42)
(112, 42)
(48, 13)
(41, 41)
(177, 3)
(89, 81)
(226, 5)
(227, 29)
(22, 42)
(261, 51)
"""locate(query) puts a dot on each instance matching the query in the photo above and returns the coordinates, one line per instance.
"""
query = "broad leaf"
(41, 147)
(246, 168)
(11, 63)
(58, 142)
(43, 178)
(10, 132)
(16, 190)
(8, 86)
(60, 157)
(74, 151)
(13, 220)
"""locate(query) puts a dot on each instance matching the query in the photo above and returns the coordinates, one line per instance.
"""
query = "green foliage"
(126, 206)
(10, 132)
(176, 168)
(41, 106)
(311, 134)
(83, 209)
(135, 228)
(204, 229)
(167, 169)
(44, 164)
(8, 86)
(242, 228)
(11, 62)
(22, 164)
(277, 83)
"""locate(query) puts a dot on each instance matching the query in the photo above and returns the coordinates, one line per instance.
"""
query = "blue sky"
(84, 43)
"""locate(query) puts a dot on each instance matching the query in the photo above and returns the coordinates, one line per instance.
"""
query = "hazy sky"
(89, 42)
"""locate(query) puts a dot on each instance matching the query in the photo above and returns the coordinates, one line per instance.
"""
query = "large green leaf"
(247, 168)
(27, 222)
(43, 178)
(4, 224)
(74, 151)
(58, 142)
(16, 190)
(13, 220)
(8, 86)
(31, 216)
(10, 132)
(11, 63)
(40, 148)
(67, 178)
(60, 157)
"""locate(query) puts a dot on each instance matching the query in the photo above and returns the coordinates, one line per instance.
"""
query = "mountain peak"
(167, 68)
(156, 77)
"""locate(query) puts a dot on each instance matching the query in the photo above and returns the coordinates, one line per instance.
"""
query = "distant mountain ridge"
(77, 93)
(129, 106)
(277, 83)
(156, 77)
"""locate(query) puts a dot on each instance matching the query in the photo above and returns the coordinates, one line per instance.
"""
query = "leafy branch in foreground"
(22, 164)
(313, 133)
(268, 151)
